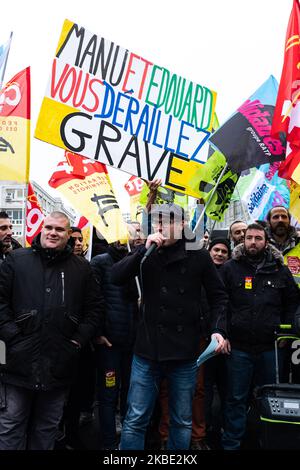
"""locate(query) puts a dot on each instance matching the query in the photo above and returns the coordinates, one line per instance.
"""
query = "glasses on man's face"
(162, 221)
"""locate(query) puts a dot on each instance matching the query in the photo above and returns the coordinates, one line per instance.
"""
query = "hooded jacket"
(260, 298)
(47, 298)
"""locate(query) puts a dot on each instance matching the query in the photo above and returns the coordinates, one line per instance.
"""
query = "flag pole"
(24, 210)
(210, 197)
(136, 278)
(5, 62)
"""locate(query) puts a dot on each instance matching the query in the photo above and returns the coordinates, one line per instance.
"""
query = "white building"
(13, 201)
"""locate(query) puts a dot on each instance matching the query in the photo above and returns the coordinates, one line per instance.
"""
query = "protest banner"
(112, 105)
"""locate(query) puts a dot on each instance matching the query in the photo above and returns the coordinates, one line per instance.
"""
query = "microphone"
(151, 248)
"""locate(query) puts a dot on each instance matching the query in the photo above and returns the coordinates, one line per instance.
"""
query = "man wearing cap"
(170, 324)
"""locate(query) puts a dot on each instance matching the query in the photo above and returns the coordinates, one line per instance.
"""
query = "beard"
(255, 254)
(280, 229)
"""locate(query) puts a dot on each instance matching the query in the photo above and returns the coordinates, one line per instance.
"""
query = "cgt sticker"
(248, 282)
(110, 379)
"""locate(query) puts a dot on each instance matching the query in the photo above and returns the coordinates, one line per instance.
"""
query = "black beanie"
(224, 241)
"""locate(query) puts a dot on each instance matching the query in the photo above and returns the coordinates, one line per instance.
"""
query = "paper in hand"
(208, 352)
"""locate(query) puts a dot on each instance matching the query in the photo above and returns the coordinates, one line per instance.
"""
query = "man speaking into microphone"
(172, 272)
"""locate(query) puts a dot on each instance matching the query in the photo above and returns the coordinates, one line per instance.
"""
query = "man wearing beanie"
(220, 251)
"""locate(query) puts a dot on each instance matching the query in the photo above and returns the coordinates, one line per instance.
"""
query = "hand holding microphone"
(154, 241)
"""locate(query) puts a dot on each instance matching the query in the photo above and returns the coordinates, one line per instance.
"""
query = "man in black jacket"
(50, 306)
(7, 242)
(262, 294)
(170, 325)
(115, 346)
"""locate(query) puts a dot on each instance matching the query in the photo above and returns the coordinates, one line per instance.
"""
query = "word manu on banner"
(112, 105)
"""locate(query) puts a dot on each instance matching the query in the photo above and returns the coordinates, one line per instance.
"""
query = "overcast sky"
(229, 46)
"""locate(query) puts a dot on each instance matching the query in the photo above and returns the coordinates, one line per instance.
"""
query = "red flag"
(15, 128)
(134, 185)
(34, 216)
(75, 166)
(287, 111)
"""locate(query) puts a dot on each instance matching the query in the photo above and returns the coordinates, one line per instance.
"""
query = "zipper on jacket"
(63, 286)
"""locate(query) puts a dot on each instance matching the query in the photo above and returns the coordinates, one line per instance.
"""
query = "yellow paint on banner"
(51, 113)
(64, 33)
(181, 173)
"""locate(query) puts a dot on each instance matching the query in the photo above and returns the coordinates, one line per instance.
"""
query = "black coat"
(46, 299)
(260, 298)
(121, 307)
(170, 324)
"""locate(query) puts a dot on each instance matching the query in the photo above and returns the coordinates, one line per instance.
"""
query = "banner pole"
(136, 278)
(210, 197)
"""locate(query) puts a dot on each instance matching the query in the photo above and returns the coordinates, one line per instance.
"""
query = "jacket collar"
(272, 254)
(49, 254)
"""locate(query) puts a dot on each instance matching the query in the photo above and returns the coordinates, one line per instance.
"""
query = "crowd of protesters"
(125, 331)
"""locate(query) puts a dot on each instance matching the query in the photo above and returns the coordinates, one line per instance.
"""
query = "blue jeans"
(144, 387)
(243, 370)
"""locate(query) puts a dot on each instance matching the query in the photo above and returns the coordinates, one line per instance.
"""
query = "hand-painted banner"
(88, 189)
(34, 216)
(245, 139)
(15, 128)
(112, 105)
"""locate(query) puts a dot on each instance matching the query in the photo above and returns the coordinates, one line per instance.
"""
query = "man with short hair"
(237, 232)
(50, 306)
(262, 294)
(7, 243)
(281, 233)
(170, 325)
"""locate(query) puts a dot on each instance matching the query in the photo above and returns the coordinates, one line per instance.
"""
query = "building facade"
(13, 201)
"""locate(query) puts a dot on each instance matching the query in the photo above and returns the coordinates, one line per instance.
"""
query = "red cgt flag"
(34, 216)
(286, 118)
